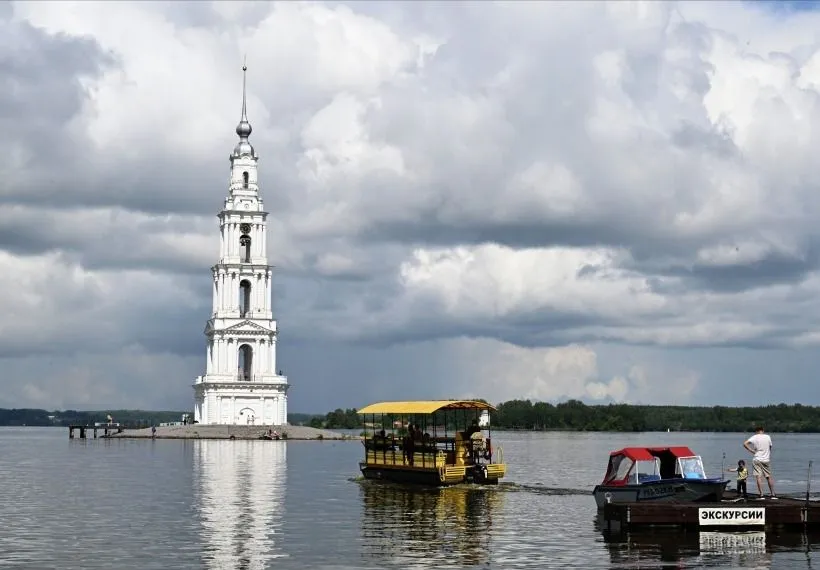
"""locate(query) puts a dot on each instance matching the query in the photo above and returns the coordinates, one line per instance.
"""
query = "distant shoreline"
(200, 431)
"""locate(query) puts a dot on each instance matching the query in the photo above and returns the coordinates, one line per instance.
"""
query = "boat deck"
(732, 512)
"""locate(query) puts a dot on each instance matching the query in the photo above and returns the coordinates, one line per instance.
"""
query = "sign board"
(733, 543)
(731, 516)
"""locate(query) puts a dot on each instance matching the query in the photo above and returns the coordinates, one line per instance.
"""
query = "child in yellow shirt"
(742, 475)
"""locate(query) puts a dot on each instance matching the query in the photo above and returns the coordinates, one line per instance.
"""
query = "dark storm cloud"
(41, 72)
(109, 239)
(772, 270)
(40, 94)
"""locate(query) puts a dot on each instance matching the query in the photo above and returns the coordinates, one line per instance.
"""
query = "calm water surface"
(259, 504)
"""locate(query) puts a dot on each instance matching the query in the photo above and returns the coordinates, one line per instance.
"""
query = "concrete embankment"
(199, 431)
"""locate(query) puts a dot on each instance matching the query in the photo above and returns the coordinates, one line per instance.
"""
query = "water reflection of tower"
(240, 490)
(427, 527)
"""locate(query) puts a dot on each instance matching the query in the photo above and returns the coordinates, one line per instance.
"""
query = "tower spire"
(244, 129)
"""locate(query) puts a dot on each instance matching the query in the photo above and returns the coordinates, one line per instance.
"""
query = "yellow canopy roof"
(424, 406)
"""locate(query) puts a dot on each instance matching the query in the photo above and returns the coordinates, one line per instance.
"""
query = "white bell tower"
(241, 385)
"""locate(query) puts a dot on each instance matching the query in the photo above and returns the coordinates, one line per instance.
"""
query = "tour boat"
(665, 474)
(435, 442)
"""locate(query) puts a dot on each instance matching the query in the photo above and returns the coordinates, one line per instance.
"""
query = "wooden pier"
(107, 429)
(750, 514)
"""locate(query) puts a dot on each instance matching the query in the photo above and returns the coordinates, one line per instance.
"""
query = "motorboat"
(660, 474)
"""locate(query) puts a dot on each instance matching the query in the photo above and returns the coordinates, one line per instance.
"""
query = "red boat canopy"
(648, 453)
(622, 461)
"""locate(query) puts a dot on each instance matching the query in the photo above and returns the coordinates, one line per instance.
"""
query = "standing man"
(760, 446)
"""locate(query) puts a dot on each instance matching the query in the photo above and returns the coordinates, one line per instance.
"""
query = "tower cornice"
(240, 266)
(242, 213)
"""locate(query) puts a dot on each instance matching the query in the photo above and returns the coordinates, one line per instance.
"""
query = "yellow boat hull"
(484, 474)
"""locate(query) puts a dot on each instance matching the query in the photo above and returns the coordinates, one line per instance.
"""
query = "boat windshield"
(647, 470)
(690, 468)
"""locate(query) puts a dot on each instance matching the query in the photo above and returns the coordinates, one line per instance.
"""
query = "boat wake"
(542, 489)
(507, 487)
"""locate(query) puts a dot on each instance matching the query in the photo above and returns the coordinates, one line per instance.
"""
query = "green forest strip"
(572, 415)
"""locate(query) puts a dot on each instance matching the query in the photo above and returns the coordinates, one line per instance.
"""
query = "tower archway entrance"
(246, 416)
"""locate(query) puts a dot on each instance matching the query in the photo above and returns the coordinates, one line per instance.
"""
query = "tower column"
(268, 289)
(258, 357)
(223, 301)
(260, 293)
(232, 287)
(222, 240)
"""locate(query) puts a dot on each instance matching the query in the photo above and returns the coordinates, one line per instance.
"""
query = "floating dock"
(107, 428)
(749, 514)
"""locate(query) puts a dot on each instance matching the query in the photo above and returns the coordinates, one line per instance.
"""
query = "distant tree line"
(574, 415)
(130, 418)
(337, 419)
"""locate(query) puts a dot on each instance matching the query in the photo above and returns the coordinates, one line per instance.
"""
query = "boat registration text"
(656, 491)
(731, 516)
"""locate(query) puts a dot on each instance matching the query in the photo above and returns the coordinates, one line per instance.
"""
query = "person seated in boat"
(380, 440)
(409, 444)
(468, 434)
(427, 443)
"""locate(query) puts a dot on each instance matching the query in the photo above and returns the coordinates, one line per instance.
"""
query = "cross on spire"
(244, 129)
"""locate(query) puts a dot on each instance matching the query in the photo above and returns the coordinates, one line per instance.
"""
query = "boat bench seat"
(644, 477)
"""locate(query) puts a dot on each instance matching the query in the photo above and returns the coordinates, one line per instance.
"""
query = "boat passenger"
(476, 446)
(409, 444)
(380, 440)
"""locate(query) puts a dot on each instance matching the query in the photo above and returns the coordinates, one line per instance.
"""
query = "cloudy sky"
(538, 200)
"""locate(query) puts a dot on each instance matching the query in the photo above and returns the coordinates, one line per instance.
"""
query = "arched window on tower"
(245, 363)
(245, 245)
(245, 179)
(244, 297)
